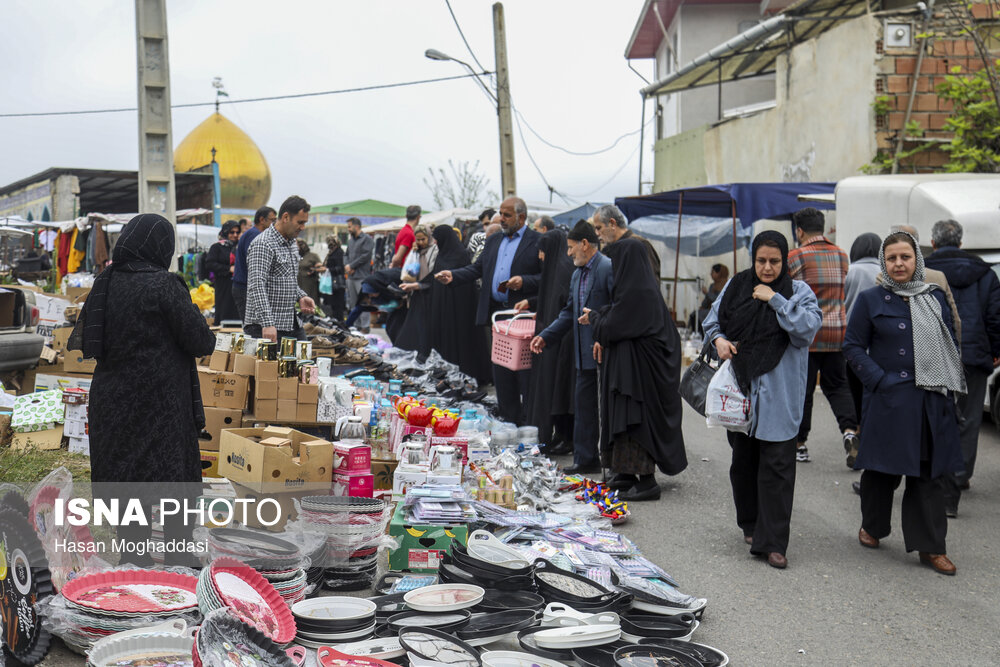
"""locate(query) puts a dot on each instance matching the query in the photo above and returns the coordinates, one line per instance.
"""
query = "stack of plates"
(256, 549)
(329, 620)
(580, 636)
(576, 591)
(157, 649)
(105, 603)
(223, 640)
(709, 656)
(502, 600)
(291, 585)
(381, 649)
(252, 599)
(353, 527)
(464, 567)
(658, 597)
(653, 656)
(485, 629)
(636, 627)
(427, 647)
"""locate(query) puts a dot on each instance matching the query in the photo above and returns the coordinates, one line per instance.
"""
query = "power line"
(613, 176)
(462, 34)
(586, 153)
(249, 99)
(538, 169)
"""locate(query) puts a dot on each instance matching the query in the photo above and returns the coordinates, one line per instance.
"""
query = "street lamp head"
(434, 54)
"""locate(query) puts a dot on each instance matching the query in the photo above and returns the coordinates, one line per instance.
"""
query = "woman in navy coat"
(900, 343)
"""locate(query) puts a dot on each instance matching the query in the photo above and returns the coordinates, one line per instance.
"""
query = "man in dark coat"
(590, 287)
(976, 290)
(510, 271)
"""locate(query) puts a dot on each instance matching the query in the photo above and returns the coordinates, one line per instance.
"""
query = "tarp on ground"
(753, 201)
(701, 236)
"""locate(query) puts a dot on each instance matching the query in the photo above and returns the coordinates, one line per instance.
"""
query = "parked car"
(19, 344)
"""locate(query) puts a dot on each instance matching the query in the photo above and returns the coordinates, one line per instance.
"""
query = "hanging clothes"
(76, 253)
(101, 247)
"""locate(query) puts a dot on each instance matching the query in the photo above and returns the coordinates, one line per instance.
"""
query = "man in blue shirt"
(510, 270)
(262, 219)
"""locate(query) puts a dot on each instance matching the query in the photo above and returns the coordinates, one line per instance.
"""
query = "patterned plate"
(133, 592)
(254, 601)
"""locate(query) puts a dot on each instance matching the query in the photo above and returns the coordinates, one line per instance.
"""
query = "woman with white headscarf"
(900, 342)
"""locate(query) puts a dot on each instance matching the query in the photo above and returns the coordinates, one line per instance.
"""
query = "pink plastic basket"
(511, 339)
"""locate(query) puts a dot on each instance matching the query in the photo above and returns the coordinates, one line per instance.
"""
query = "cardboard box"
(306, 464)
(382, 471)
(407, 475)
(359, 485)
(351, 458)
(219, 361)
(77, 294)
(43, 440)
(73, 362)
(49, 381)
(60, 337)
(266, 371)
(287, 410)
(421, 546)
(217, 419)
(80, 445)
(223, 390)
(285, 504)
(305, 413)
(77, 412)
(308, 393)
(210, 464)
(266, 389)
(288, 389)
(244, 364)
(276, 442)
(39, 411)
(223, 342)
(266, 410)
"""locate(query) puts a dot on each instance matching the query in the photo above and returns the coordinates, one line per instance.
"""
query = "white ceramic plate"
(516, 659)
(577, 637)
(443, 597)
(334, 608)
(383, 649)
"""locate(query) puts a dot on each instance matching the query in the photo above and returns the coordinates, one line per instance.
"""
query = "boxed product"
(209, 464)
(39, 411)
(382, 471)
(43, 440)
(244, 364)
(217, 419)
(219, 361)
(407, 475)
(223, 390)
(305, 412)
(360, 484)
(306, 464)
(79, 445)
(287, 410)
(75, 428)
(421, 546)
(351, 457)
(266, 410)
(308, 393)
(288, 389)
(73, 362)
(266, 371)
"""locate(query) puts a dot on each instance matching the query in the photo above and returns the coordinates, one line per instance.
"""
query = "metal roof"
(755, 52)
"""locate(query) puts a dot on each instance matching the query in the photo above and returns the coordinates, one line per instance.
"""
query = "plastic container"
(511, 339)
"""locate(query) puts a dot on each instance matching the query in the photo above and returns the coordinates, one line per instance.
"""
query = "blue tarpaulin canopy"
(582, 212)
(748, 202)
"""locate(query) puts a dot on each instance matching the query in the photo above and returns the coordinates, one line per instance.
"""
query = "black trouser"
(255, 331)
(335, 304)
(925, 525)
(585, 425)
(970, 412)
(240, 298)
(763, 479)
(833, 382)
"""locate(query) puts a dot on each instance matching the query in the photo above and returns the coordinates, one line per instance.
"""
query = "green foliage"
(974, 121)
(881, 105)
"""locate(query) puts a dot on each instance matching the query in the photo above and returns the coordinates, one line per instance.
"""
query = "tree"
(463, 187)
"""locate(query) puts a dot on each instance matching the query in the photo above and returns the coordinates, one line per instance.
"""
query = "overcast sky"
(568, 73)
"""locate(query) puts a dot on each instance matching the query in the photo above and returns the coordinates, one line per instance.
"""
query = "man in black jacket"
(510, 271)
(977, 294)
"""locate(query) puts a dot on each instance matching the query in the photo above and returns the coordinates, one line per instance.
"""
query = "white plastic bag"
(725, 404)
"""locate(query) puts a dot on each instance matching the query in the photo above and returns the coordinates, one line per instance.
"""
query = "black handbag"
(694, 383)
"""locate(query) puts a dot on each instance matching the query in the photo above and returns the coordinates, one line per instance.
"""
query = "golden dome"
(245, 179)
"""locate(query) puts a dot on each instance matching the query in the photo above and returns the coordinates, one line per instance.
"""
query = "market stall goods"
(124, 593)
(24, 580)
(223, 641)
(444, 597)
(488, 628)
(707, 655)
(653, 656)
(229, 583)
(327, 656)
(426, 644)
(166, 650)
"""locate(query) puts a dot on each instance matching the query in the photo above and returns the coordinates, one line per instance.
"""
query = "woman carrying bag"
(763, 321)
(900, 342)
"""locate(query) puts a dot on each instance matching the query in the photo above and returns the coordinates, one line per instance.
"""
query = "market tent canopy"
(747, 202)
(582, 212)
(756, 51)
(369, 208)
(700, 235)
(434, 219)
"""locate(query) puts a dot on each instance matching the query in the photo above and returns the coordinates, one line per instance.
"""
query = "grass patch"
(31, 465)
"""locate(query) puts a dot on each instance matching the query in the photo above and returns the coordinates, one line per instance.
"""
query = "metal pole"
(642, 140)
(156, 151)
(216, 193)
(720, 90)
(733, 202)
(508, 179)
(677, 252)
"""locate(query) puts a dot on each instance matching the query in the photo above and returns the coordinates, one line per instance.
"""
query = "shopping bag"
(325, 283)
(694, 383)
(725, 404)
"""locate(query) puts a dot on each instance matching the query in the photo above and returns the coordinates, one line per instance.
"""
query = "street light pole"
(508, 179)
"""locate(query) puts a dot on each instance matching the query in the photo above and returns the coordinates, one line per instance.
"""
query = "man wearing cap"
(590, 287)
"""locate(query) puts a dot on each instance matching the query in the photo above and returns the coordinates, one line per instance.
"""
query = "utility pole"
(508, 180)
(156, 150)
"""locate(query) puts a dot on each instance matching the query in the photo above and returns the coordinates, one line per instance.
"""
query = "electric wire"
(462, 34)
(613, 176)
(271, 98)
(580, 153)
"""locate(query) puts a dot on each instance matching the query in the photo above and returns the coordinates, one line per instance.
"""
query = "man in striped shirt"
(823, 266)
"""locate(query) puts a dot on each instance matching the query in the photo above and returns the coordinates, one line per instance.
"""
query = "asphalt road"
(837, 603)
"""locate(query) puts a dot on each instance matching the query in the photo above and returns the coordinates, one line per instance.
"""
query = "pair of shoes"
(802, 454)
(620, 482)
(635, 494)
(939, 562)
(581, 469)
(851, 442)
(867, 540)
(857, 487)
(748, 539)
(951, 511)
(774, 559)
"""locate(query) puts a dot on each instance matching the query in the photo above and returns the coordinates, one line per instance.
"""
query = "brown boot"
(867, 540)
(939, 562)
